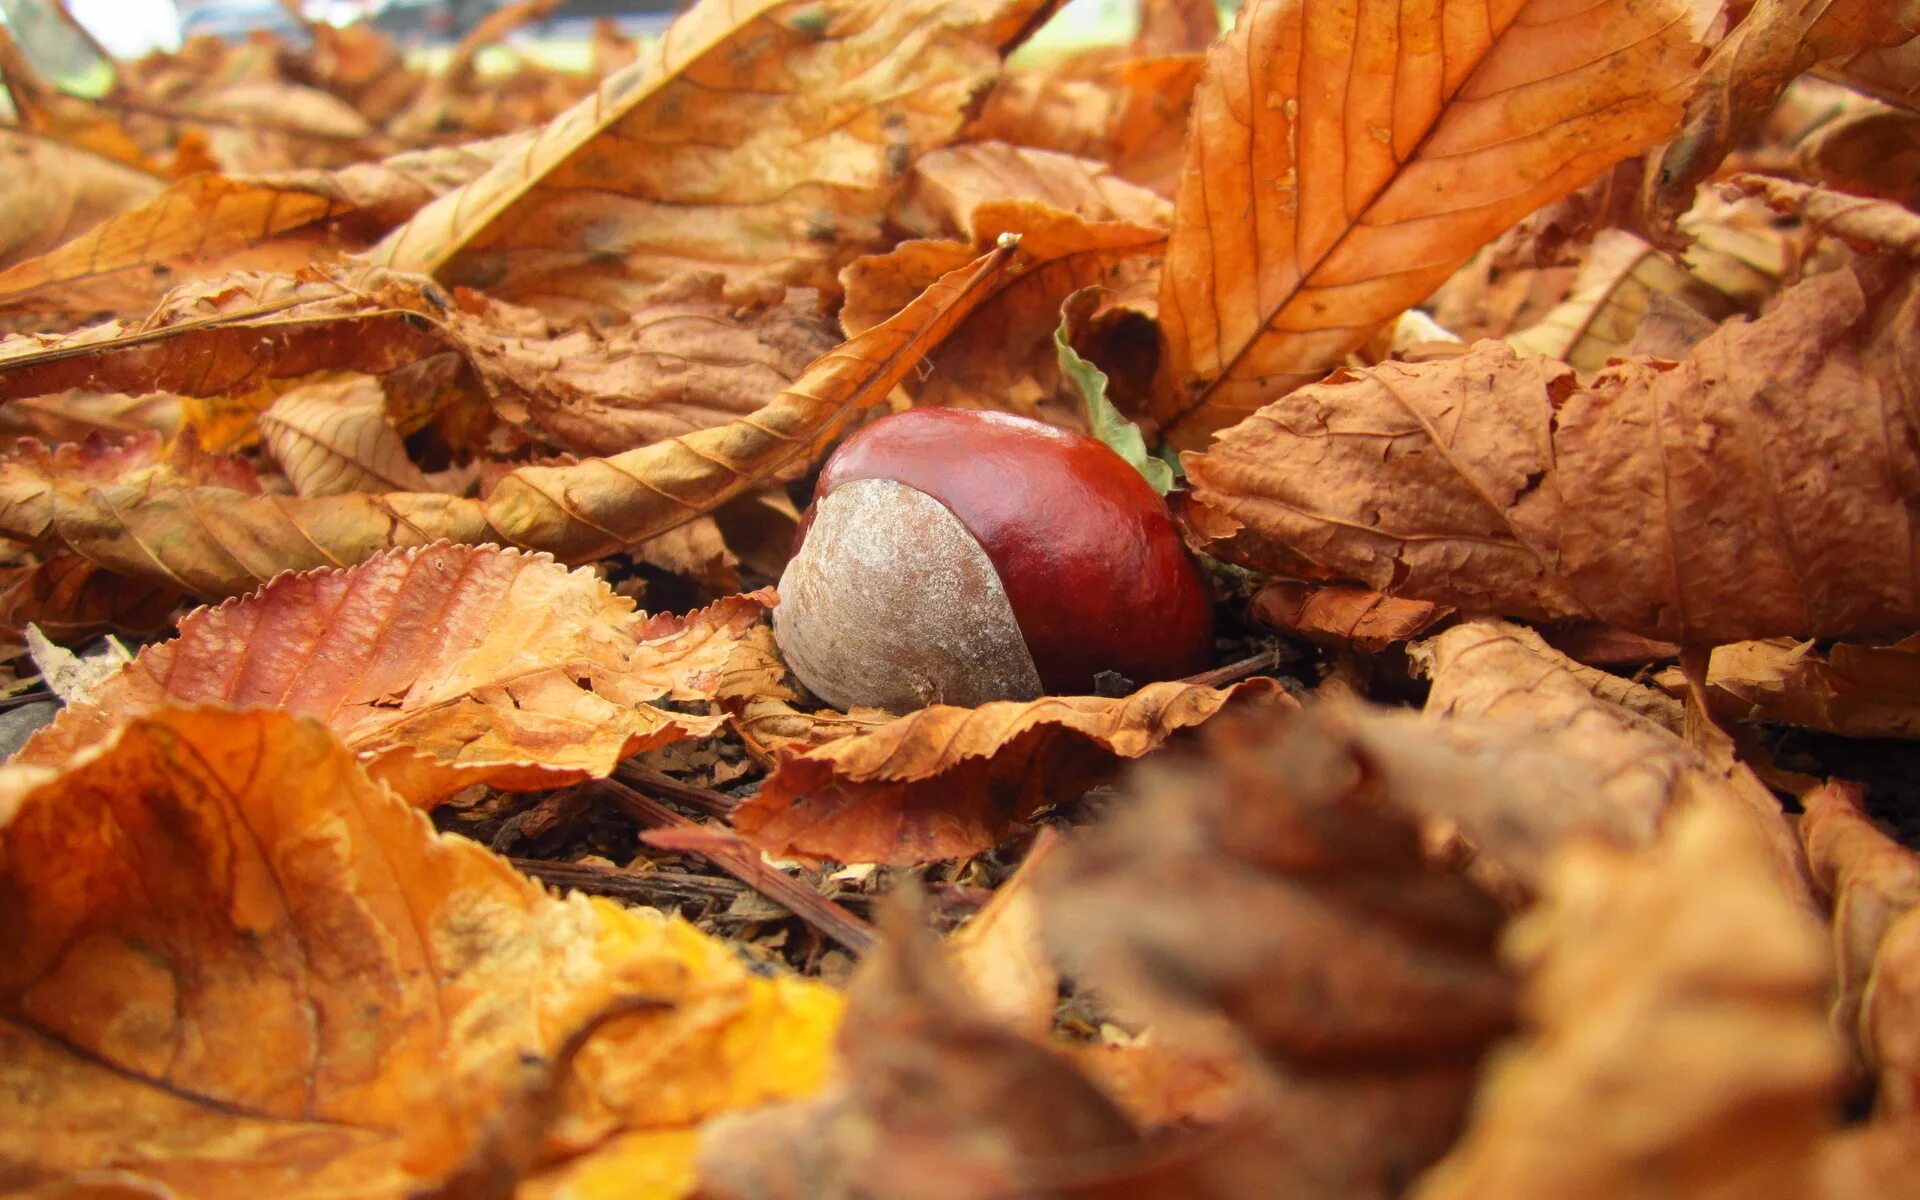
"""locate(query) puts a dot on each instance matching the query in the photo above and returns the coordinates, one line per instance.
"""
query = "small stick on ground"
(706, 800)
(656, 888)
(1233, 672)
(742, 862)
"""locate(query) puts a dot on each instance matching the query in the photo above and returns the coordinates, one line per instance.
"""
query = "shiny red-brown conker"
(1085, 549)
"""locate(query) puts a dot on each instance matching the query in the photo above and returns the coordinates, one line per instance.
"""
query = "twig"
(743, 863)
(655, 888)
(1233, 672)
(706, 800)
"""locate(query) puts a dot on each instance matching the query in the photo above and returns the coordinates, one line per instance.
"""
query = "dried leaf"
(945, 187)
(1870, 224)
(1675, 1044)
(1131, 115)
(441, 667)
(1874, 153)
(1747, 72)
(1761, 487)
(1176, 26)
(933, 1100)
(1279, 894)
(1002, 356)
(332, 438)
(944, 782)
(233, 962)
(1344, 159)
(1874, 883)
(1855, 691)
(213, 544)
(55, 192)
(999, 954)
(1616, 289)
(1343, 616)
(758, 139)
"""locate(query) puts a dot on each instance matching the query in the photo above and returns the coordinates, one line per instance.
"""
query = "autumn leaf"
(1343, 616)
(943, 782)
(944, 189)
(441, 667)
(55, 192)
(1344, 159)
(234, 962)
(1853, 690)
(1752, 490)
(216, 544)
(332, 437)
(1674, 1038)
(1622, 282)
(763, 140)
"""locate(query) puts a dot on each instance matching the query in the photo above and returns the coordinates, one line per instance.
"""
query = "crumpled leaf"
(1762, 487)
(213, 544)
(999, 953)
(944, 782)
(759, 696)
(1852, 690)
(1874, 883)
(1344, 159)
(1622, 282)
(685, 359)
(1871, 224)
(441, 667)
(209, 224)
(945, 188)
(1002, 355)
(761, 139)
(1749, 69)
(1343, 616)
(233, 962)
(1872, 153)
(1675, 1042)
(932, 1100)
(332, 437)
(56, 191)
(1279, 896)
(1130, 114)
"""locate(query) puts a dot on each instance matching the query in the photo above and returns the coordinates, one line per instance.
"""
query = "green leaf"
(1104, 420)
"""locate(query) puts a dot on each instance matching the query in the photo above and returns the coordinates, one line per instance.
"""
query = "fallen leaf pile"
(402, 438)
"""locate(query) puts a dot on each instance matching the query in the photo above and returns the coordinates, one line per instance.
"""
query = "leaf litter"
(1534, 383)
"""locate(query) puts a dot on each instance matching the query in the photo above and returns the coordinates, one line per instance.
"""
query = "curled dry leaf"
(55, 192)
(217, 224)
(1856, 691)
(759, 698)
(1675, 1041)
(932, 1100)
(944, 782)
(1749, 69)
(758, 139)
(1280, 894)
(1344, 159)
(1131, 114)
(945, 188)
(442, 667)
(1618, 287)
(1343, 616)
(235, 963)
(214, 544)
(999, 953)
(1002, 356)
(1870, 224)
(332, 437)
(1874, 883)
(1873, 153)
(1763, 486)
(685, 359)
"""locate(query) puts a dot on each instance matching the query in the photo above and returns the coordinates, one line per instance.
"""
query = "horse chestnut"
(956, 556)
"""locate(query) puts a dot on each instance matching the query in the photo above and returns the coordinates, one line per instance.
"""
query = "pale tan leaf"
(213, 544)
(54, 192)
(1874, 883)
(332, 437)
(1848, 689)
(1343, 616)
(1761, 487)
(1874, 224)
(762, 139)
(1749, 69)
(1344, 159)
(946, 187)
(1615, 290)
(440, 667)
(943, 782)
(1675, 1041)
(281, 978)
(999, 954)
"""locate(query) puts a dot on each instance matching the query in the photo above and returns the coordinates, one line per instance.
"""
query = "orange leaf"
(757, 139)
(233, 962)
(441, 667)
(944, 782)
(1345, 158)
(55, 192)
(1686, 502)
(212, 543)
